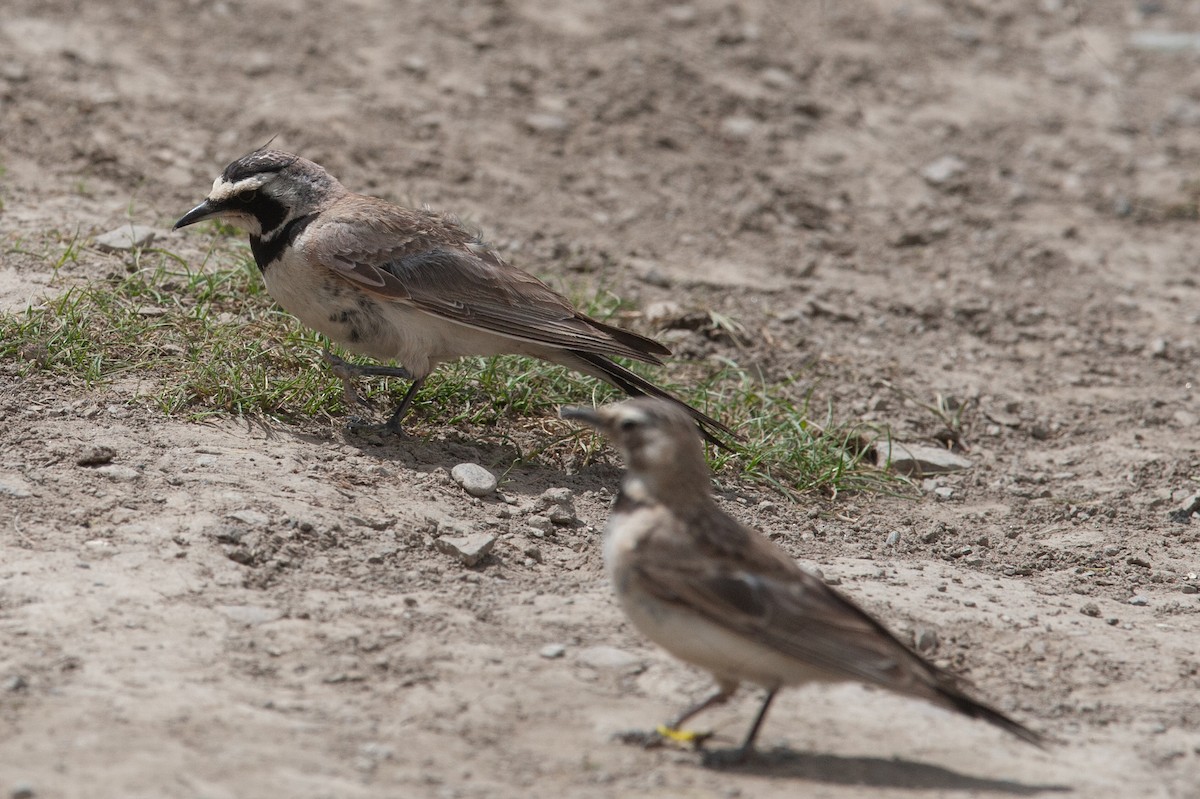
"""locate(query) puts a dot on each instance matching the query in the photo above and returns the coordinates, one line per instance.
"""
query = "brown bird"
(408, 285)
(721, 596)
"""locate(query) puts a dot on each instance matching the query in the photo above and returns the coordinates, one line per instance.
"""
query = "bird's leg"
(673, 730)
(348, 372)
(393, 424)
(747, 746)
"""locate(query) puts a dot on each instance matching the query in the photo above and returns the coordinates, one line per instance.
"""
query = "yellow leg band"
(682, 736)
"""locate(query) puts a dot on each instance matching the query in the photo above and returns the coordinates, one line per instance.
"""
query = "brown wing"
(734, 577)
(430, 262)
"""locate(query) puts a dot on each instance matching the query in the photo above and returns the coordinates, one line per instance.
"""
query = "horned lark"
(412, 286)
(717, 594)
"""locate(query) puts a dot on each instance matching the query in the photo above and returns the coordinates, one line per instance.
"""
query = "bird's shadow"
(873, 772)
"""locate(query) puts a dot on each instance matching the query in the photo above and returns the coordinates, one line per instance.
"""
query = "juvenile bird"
(721, 596)
(408, 285)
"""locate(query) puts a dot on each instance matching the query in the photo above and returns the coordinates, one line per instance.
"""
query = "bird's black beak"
(201, 212)
(588, 416)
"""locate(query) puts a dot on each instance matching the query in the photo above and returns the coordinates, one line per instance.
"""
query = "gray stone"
(738, 127)
(13, 487)
(128, 237)
(917, 459)
(552, 651)
(540, 523)
(682, 14)
(776, 78)
(609, 658)
(118, 473)
(474, 479)
(660, 313)
(470, 549)
(943, 170)
(1091, 609)
(1139, 600)
(254, 518)
(547, 123)
(926, 639)
(96, 456)
(557, 504)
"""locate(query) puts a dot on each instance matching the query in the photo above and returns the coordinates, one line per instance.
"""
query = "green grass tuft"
(210, 341)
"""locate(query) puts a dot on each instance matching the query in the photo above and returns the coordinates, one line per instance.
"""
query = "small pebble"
(249, 516)
(609, 658)
(547, 123)
(739, 128)
(1091, 609)
(96, 456)
(22, 790)
(927, 640)
(943, 170)
(14, 489)
(470, 549)
(1189, 588)
(539, 522)
(893, 538)
(1139, 600)
(552, 651)
(128, 237)
(474, 479)
(118, 473)
(917, 460)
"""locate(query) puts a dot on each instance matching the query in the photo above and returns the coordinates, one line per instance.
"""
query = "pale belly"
(377, 328)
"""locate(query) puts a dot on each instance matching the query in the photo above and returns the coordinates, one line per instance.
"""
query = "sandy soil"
(990, 201)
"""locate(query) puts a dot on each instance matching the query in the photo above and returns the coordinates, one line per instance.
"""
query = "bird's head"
(263, 191)
(657, 439)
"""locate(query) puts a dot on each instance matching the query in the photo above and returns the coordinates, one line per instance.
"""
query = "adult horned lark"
(409, 285)
(717, 594)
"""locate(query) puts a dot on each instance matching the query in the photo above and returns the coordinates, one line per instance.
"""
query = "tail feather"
(649, 348)
(636, 386)
(978, 710)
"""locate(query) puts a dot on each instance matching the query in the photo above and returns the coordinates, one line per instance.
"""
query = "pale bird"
(719, 595)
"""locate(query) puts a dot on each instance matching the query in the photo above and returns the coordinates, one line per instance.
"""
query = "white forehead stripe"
(223, 189)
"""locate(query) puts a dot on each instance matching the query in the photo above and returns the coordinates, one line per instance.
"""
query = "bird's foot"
(663, 735)
(724, 758)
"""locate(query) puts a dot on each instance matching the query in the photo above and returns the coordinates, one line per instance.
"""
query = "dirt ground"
(993, 201)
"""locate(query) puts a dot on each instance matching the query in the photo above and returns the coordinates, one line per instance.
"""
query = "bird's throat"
(269, 248)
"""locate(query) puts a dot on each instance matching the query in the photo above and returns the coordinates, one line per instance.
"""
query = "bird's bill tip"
(578, 413)
(198, 214)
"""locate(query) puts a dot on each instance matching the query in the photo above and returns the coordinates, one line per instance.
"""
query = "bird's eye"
(247, 197)
(628, 424)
